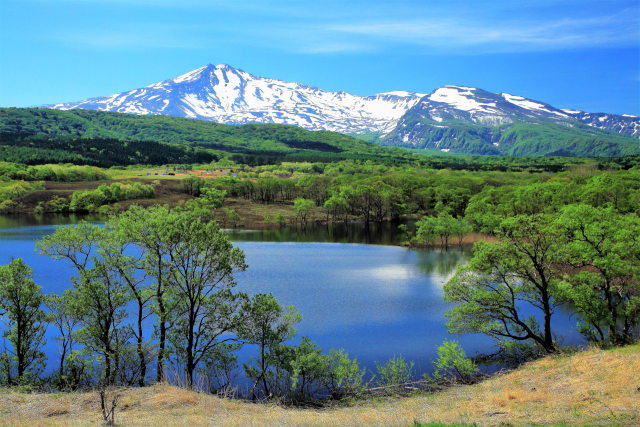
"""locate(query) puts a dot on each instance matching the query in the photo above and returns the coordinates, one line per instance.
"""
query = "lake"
(373, 300)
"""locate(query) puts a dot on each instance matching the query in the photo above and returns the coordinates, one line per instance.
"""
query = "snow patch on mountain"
(459, 97)
(528, 104)
(225, 94)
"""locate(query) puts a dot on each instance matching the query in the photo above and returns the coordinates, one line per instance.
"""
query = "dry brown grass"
(594, 387)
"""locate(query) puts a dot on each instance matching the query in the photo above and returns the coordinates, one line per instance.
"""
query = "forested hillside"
(38, 136)
(533, 138)
(249, 143)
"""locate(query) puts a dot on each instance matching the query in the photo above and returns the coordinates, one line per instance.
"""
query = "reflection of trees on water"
(24, 220)
(439, 261)
(381, 234)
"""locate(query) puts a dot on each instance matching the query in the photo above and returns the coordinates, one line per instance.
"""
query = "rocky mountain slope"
(228, 95)
(449, 119)
(471, 120)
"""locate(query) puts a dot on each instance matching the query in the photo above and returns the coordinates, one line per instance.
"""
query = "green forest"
(36, 136)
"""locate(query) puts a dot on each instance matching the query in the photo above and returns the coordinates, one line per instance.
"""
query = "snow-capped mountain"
(225, 94)
(475, 105)
(625, 124)
(228, 95)
(472, 120)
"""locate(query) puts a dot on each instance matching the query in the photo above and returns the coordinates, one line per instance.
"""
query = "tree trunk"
(141, 358)
(19, 349)
(189, 350)
(162, 338)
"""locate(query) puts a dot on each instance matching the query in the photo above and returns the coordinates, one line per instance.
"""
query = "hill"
(98, 138)
(249, 143)
(594, 387)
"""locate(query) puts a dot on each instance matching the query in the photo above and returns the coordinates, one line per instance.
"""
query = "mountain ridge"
(450, 118)
(232, 96)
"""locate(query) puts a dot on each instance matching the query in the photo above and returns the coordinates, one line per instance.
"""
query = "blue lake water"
(374, 301)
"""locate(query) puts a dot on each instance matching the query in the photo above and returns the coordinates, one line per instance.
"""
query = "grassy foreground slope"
(595, 387)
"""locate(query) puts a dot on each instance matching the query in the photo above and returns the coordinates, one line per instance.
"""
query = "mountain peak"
(226, 67)
(225, 94)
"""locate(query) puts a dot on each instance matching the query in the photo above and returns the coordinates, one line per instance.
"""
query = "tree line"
(153, 298)
(24, 147)
(452, 200)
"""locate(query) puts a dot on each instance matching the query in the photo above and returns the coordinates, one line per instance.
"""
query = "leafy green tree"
(99, 298)
(267, 325)
(193, 185)
(232, 216)
(150, 229)
(6, 367)
(192, 263)
(218, 367)
(503, 279)
(453, 364)
(21, 309)
(461, 228)
(299, 370)
(76, 244)
(302, 208)
(337, 207)
(487, 209)
(210, 198)
(66, 321)
(609, 190)
(202, 261)
(115, 250)
(343, 376)
(428, 229)
(602, 281)
(100, 290)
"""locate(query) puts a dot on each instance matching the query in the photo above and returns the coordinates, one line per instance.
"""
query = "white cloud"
(439, 34)
(332, 26)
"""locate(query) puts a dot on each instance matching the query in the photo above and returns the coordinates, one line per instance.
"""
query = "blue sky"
(581, 54)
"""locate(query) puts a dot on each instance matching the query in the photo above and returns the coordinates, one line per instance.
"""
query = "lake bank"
(355, 291)
(556, 390)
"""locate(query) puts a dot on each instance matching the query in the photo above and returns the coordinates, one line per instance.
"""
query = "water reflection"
(374, 301)
(442, 262)
(380, 234)
(24, 220)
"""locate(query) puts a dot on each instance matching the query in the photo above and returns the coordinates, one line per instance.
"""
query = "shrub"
(393, 374)
(453, 364)
(344, 377)
(91, 200)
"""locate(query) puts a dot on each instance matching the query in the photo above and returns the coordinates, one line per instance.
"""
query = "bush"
(453, 365)
(393, 374)
(91, 200)
(344, 377)
(63, 173)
